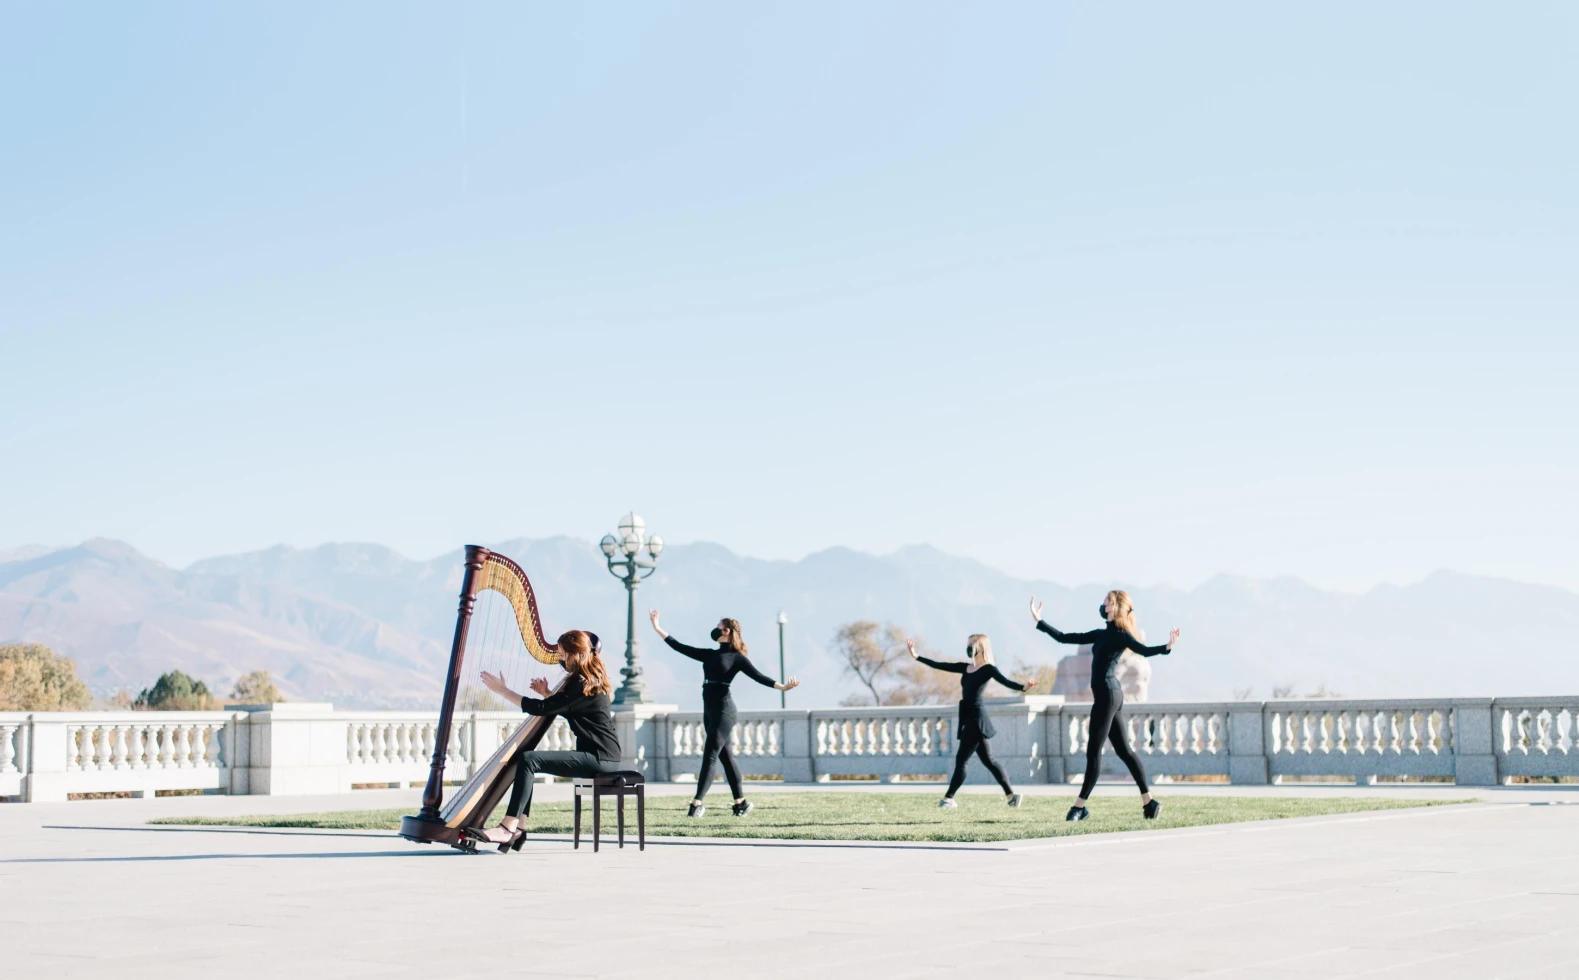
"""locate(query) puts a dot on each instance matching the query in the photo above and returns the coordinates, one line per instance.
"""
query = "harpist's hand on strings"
(911, 646)
(494, 682)
(539, 686)
(1036, 609)
(652, 614)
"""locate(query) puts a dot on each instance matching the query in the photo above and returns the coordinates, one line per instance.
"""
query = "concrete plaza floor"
(1489, 889)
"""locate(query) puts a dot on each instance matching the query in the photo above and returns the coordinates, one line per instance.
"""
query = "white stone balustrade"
(311, 748)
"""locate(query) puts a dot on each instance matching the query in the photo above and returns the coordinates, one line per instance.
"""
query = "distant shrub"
(176, 691)
(34, 678)
(255, 688)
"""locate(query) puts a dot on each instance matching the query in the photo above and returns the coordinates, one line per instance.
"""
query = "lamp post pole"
(783, 703)
(630, 569)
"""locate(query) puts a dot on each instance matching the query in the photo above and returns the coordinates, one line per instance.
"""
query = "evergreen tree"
(176, 691)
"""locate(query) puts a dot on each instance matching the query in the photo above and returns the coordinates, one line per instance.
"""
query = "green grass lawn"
(879, 816)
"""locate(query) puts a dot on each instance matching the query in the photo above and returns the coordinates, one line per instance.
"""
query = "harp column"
(623, 552)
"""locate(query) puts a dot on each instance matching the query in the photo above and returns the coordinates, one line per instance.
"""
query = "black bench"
(618, 785)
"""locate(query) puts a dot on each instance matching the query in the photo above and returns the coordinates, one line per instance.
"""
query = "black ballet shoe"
(1150, 810)
(697, 809)
(741, 809)
(1076, 813)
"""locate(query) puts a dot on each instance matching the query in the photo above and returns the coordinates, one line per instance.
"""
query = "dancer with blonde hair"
(975, 726)
(1107, 696)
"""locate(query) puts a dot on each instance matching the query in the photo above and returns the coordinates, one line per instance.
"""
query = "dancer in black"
(583, 702)
(719, 667)
(1107, 696)
(975, 726)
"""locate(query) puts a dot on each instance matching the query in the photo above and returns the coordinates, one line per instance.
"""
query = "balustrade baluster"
(183, 747)
(137, 747)
(8, 753)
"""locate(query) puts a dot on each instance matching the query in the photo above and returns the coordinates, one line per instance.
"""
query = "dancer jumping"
(975, 725)
(1107, 696)
(719, 667)
(583, 702)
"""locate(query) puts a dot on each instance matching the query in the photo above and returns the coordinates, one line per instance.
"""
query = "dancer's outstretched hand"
(790, 684)
(540, 685)
(1173, 637)
(911, 646)
(652, 614)
(1036, 609)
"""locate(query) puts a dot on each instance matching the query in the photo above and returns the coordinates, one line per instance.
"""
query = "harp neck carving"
(506, 578)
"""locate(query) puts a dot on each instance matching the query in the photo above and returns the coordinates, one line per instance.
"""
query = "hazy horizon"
(592, 543)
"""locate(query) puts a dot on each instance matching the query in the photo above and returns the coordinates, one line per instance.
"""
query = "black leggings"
(973, 742)
(718, 719)
(1107, 724)
(529, 764)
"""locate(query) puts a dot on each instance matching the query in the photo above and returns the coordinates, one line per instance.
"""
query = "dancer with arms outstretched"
(719, 667)
(1107, 696)
(975, 727)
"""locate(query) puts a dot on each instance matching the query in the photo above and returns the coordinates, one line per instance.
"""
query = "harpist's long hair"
(580, 656)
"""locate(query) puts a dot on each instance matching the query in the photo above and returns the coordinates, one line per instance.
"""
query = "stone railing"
(277, 749)
(1471, 741)
(311, 748)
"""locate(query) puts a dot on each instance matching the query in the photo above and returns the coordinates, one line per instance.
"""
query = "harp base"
(425, 831)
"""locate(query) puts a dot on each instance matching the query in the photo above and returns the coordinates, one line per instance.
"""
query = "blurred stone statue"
(1073, 679)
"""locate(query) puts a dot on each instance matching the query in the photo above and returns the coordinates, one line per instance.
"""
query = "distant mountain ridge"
(361, 625)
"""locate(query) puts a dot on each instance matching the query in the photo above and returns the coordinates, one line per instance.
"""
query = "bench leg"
(641, 816)
(577, 838)
(597, 817)
(622, 819)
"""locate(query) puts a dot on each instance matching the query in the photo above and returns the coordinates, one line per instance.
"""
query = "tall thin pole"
(783, 695)
(634, 690)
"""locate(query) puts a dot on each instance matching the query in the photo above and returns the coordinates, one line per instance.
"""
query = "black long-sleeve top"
(971, 682)
(972, 714)
(721, 665)
(588, 715)
(1107, 646)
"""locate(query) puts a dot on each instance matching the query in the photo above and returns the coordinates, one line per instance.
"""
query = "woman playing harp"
(583, 701)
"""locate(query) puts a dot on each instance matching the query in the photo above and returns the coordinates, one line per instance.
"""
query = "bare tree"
(866, 656)
(1041, 676)
(876, 657)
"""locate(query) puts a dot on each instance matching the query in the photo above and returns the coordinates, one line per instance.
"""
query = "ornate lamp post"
(630, 569)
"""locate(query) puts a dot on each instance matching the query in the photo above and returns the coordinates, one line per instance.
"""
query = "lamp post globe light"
(623, 553)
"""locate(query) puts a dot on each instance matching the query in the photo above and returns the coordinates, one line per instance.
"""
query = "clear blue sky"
(1093, 292)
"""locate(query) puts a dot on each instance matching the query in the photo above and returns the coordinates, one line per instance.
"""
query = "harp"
(511, 612)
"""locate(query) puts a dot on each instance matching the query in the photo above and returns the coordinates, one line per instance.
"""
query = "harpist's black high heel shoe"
(520, 838)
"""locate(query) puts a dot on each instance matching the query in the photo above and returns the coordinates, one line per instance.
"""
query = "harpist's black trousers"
(529, 764)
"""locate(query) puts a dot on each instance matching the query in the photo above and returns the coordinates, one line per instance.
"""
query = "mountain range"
(362, 626)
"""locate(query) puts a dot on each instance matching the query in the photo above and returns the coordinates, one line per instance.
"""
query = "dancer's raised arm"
(949, 666)
(1057, 634)
(1132, 642)
(695, 653)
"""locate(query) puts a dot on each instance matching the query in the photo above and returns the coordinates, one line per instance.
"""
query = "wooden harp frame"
(472, 803)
